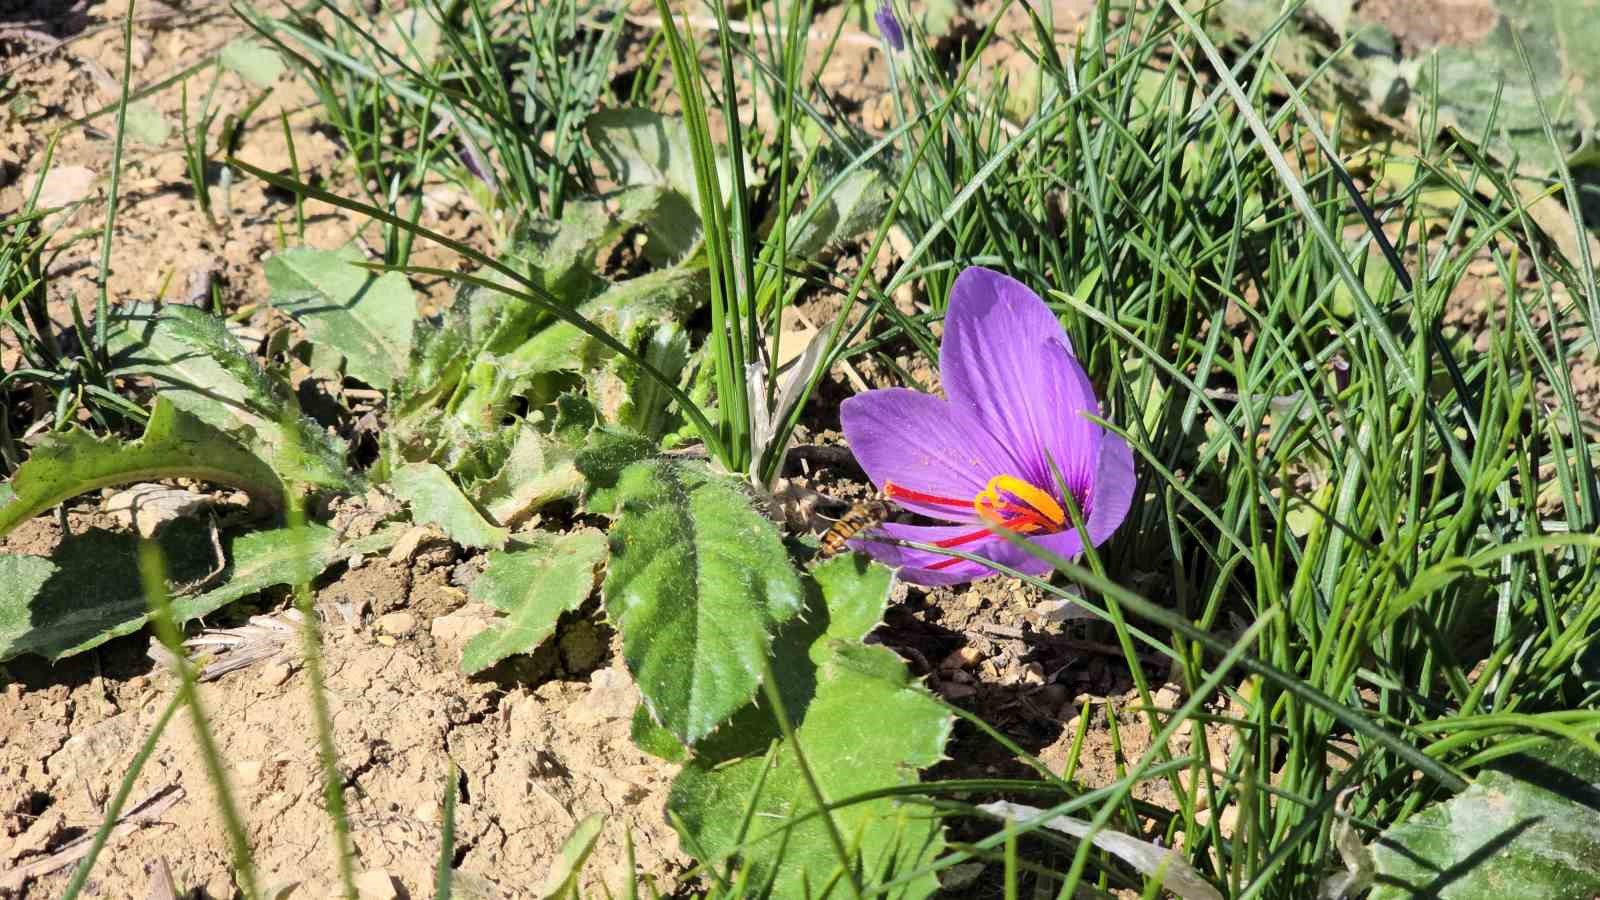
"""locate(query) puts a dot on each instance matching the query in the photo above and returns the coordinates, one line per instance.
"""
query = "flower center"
(1005, 502)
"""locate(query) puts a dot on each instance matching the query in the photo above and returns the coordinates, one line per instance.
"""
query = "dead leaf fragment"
(269, 638)
(1151, 860)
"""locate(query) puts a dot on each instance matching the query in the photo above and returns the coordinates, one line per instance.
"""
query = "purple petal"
(1113, 489)
(889, 26)
(911, 438)
(916, 566)
(1008, 366)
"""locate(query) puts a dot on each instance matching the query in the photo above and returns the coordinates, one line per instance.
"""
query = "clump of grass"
(64, 373)
(1375, 542)
(1403, 524)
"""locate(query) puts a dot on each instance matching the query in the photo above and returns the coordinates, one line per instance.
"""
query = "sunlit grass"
(1370, 535)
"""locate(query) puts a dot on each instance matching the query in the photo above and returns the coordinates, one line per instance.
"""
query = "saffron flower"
(889, 26)
(1018, 402)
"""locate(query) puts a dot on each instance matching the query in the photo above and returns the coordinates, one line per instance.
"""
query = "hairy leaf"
(855, 205)
(174, 445)
(1559, 40)
(605, 456)
(642, 147)
(462, 352)
(866, 726)
(534, 584)
(540, 466)
(365, 316)
(628, 397)
(628, 311)
(266, 559)
(89, 591)
(435, 498)
(698, 582)
(202, 369)
(1529, 828)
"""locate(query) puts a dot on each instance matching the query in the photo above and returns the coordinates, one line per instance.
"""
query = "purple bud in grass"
(1017, 415)
(1341, 372)
(889, 26)
(477, 165)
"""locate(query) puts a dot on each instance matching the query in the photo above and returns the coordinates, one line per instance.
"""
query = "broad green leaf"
(1527, 829)
(264, 559)
(468, 452)
(174, 445)
(494, 353)
(254, 62)
(435, 498)
(564, 254)
(1559, 38)
(202, 369)
(626, 396)
(482, 325)
(89, 591)
(146, 124)
(642, 147)
(540, 467)
(855, 593)
(854, 206)
(655, 740)
(868, 726)
(440, 351)
(670, 225)
(607, 454)
(628, 311)
(365, 316)
(534, 584)
(24, 578)
(698, 582)
(845, 600)
(24, 575)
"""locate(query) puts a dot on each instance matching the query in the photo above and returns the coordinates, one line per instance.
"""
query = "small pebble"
(275, 673)
(376, 884)
(398, 624)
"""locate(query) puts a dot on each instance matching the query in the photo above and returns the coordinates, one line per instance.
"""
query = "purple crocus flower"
(889, 26)
(1018, 400)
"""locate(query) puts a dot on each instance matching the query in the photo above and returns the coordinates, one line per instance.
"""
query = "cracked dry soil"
(533, 761)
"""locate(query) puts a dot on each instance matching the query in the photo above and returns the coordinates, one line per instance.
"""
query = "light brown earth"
(543, 742)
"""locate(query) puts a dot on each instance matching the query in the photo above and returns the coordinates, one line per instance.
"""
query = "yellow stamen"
(1041, 502)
